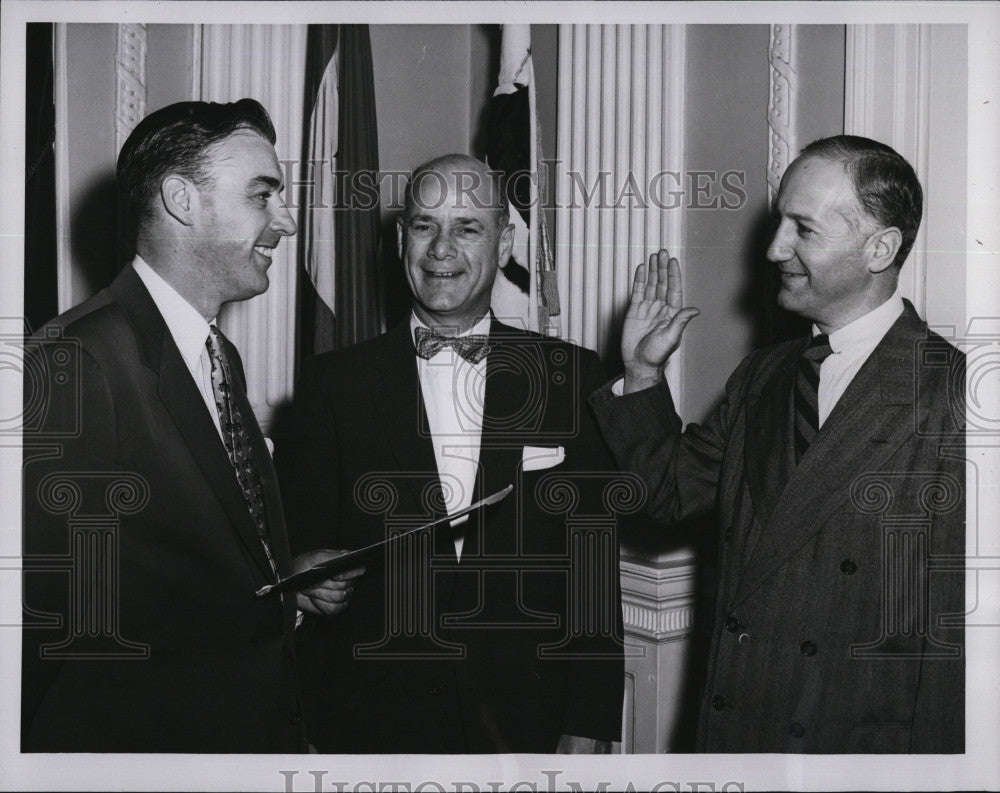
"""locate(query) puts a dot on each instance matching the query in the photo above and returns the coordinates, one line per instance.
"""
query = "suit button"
(847, 567)
(796, 730)
(808, 648)
(435, 690)
(718, 702)
(730, 532)
(294, 717)
(744, 638)
(732, 624)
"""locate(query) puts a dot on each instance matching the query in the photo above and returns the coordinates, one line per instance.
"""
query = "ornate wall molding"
(657, 603)
(130, 80)
(784, 86)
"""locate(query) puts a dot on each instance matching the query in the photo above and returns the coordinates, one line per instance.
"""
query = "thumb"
(684, 316)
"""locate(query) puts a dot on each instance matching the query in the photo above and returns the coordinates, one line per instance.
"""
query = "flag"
(341, 224)
(526, 288)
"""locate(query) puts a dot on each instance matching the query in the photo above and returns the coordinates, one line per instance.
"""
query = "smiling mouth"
(448, 274)
(264, 251)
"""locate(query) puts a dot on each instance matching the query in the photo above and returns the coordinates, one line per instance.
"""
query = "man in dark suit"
(151, 505)
(835, 465)
(502, 631)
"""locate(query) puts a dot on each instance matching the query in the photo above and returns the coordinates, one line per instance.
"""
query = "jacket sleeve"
(67, 456)
(679, 467)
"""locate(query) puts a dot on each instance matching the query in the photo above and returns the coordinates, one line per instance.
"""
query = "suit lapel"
(512, 368)
(768, 461)
(183, 401)
(872, 419)
(399, 404)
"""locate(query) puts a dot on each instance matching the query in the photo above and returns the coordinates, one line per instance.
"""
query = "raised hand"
(654, 322)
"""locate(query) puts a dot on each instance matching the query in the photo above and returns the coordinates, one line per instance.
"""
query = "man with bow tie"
(500, 632)
(835, 469)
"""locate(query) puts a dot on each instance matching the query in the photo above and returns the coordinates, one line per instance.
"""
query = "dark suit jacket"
(838, 620)
(521, 640)
(126, 478)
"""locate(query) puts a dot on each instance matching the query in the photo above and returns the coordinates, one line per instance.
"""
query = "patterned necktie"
(472, 348)
(235, 437)
(807, 391)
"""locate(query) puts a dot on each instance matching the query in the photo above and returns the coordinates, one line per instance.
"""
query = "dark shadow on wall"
(98, 252)
(397, 290)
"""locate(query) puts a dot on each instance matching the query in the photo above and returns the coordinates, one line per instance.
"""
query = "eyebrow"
(267, 181)
(800, 217)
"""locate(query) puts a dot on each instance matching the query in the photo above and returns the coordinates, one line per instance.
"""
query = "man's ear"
(180, 198)
(882, 247)
(399, 237)
(505, 245)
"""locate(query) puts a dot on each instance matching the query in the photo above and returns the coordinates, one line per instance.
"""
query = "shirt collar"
(867, 330)
(482, 327)
(187, 327)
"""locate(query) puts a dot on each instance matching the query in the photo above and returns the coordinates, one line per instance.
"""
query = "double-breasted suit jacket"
(517, 642)
(839, 611)
(141, 557)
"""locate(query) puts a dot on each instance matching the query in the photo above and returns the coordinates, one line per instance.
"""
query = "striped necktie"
(807, 391)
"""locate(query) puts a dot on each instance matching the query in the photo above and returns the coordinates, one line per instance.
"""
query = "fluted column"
(621, 152)
(888, 98)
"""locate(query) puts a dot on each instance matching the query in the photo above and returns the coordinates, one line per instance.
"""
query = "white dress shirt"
(188, 329)
(851, 345)
(453, 391)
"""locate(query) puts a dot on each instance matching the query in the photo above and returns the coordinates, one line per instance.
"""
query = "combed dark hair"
(175, 140)
(884, 182)
(476, 168)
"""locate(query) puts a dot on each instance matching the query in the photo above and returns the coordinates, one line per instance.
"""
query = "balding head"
(476, 186)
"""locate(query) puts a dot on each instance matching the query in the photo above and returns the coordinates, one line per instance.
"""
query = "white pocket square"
(535, 458)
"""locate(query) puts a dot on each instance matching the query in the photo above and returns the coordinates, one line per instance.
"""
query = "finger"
(652, 278)
(662, 274)
(639, 284)
(348, 575)
(324, 595)
(675, 285)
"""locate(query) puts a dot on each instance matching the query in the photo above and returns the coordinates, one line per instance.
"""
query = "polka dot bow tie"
(472, 348)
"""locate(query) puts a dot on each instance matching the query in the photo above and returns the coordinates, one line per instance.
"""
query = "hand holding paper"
(330, 596)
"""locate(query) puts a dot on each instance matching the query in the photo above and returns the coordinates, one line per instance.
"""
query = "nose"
(441, 246)
(282, 222)
(780, 249)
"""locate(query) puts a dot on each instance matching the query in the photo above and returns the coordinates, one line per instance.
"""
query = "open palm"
(655, 319)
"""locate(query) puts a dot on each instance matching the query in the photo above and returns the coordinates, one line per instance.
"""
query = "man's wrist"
(639, 378)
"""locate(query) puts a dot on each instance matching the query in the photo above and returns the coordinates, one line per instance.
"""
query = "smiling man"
(503, 632)
(154, 641)
(835, 469)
